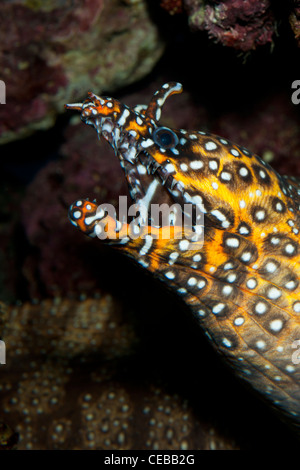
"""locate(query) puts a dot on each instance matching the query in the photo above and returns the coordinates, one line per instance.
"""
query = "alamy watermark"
(140, 220)
(2, 352)
(296, 354)
(296, 94)
(2, 92)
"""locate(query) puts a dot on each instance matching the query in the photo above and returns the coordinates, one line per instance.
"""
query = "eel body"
(236, 259)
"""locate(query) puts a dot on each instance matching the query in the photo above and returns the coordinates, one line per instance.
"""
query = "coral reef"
(235, 23)
(69, 49)
(172, 6)
(8, 438)
(295, 20)
(72, 391)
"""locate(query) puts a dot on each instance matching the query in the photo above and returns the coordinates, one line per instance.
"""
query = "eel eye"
(165, 137)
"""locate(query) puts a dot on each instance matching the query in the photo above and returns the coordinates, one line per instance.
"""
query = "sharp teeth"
(155, 166)
(173, 182)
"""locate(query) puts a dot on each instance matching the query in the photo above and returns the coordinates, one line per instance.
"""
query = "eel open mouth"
(135, 136)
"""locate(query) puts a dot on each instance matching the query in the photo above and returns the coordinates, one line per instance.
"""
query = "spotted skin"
(242, 285)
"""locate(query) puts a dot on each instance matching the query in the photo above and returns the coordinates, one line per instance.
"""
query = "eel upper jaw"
(127, 145)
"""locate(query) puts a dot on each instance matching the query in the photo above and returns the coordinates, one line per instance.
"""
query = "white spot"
(227, 290)
(219, 215)
(296, 307)
(232, 242)
(196, 165)
(258, 192)
(123, 117)
(290, 368)
(239, 321)
(262, 174)
(290, 285)
(201, 313)
(143, 263)
(260, 344)
(225, 176)
(77, 214)
(201, 284)
(274, 293)
(173, 257)
(231, 277)
(184, 245)
(141, 169)
(244, 230)
(210, 145)
(242, 204)
(192, 281)
(98, 229)
(227, 342)
(184, 167)
(260, 215)
(218, 308)
(170, 275)
(182, 290)
(276, 325)
(234, 152)
(197, 258)
(251, 283)
(215, 185)
(170, 168)
(260, 308)
(147, 143)
(79, 203)
(213, 165)
(271, 267)
(289, 248)
(228, 266)
(243, 171)
(147, 245)
(246, 256)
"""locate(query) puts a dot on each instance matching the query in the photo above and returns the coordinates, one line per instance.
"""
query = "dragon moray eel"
(242, 282)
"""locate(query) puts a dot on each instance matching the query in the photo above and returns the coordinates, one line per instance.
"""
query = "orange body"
(242, 282)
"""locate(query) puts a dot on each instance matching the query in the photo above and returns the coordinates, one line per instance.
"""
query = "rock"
(234, 23)
(52, 52)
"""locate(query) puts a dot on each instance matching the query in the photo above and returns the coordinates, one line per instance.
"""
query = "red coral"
(172, 6)
(295, 20)
(235, 23)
